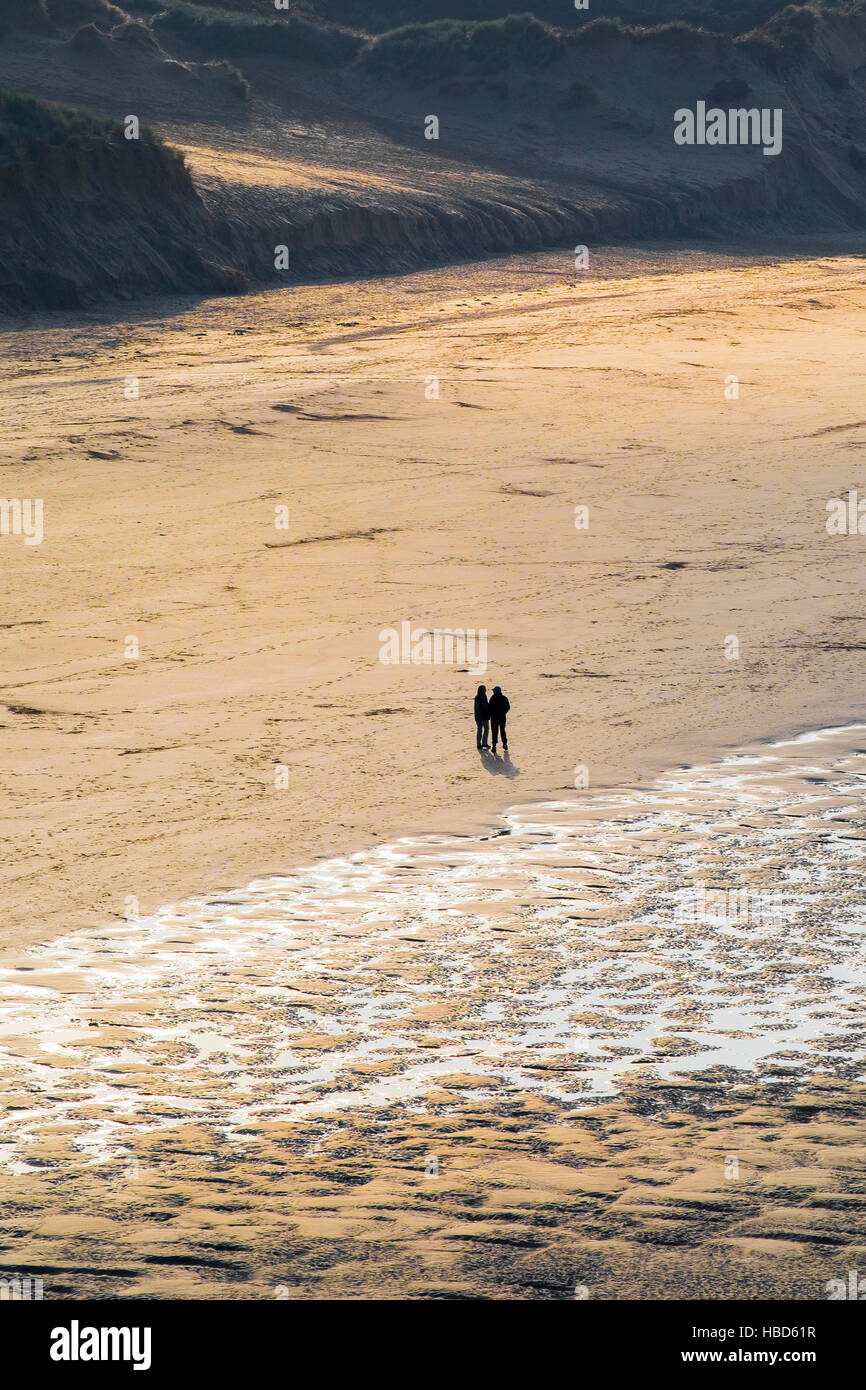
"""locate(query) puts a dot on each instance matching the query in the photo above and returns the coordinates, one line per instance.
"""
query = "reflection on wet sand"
(558, 955)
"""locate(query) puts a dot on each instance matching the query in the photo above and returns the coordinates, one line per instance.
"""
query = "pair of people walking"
(490, 714)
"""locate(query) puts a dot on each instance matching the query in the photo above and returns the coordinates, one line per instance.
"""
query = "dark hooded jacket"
(498, 705)
(481, 707)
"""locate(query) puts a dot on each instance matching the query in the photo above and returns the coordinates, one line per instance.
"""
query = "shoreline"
(585, 900)
(474, 821)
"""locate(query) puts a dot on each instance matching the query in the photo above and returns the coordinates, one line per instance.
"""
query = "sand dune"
(537, 145)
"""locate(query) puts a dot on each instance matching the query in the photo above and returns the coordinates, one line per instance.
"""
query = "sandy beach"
(352, 357)
(438, 1048)
(133, 781)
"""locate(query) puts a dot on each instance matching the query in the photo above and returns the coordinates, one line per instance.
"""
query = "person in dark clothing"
(482, 717)
(498, 706)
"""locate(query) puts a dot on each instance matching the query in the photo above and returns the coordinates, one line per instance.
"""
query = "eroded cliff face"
(574, 144)
(102, 218)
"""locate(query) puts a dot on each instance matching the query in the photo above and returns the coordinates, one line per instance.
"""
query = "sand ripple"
(556, 954)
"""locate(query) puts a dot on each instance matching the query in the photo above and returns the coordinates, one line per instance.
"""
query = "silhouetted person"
(482, 717)
(497, 707)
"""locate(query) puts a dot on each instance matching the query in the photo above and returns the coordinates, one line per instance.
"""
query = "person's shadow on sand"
(496, 766)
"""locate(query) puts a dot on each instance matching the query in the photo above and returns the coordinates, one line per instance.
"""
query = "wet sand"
(627, 1201)
(526, 1064)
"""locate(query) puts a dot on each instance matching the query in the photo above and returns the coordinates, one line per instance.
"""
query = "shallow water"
(557, 953)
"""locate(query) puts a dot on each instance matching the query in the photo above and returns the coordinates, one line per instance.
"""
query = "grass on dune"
(435, 50)
(28, 126)
(233, 33)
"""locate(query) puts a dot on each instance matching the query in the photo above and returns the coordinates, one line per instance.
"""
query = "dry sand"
(153, 778)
